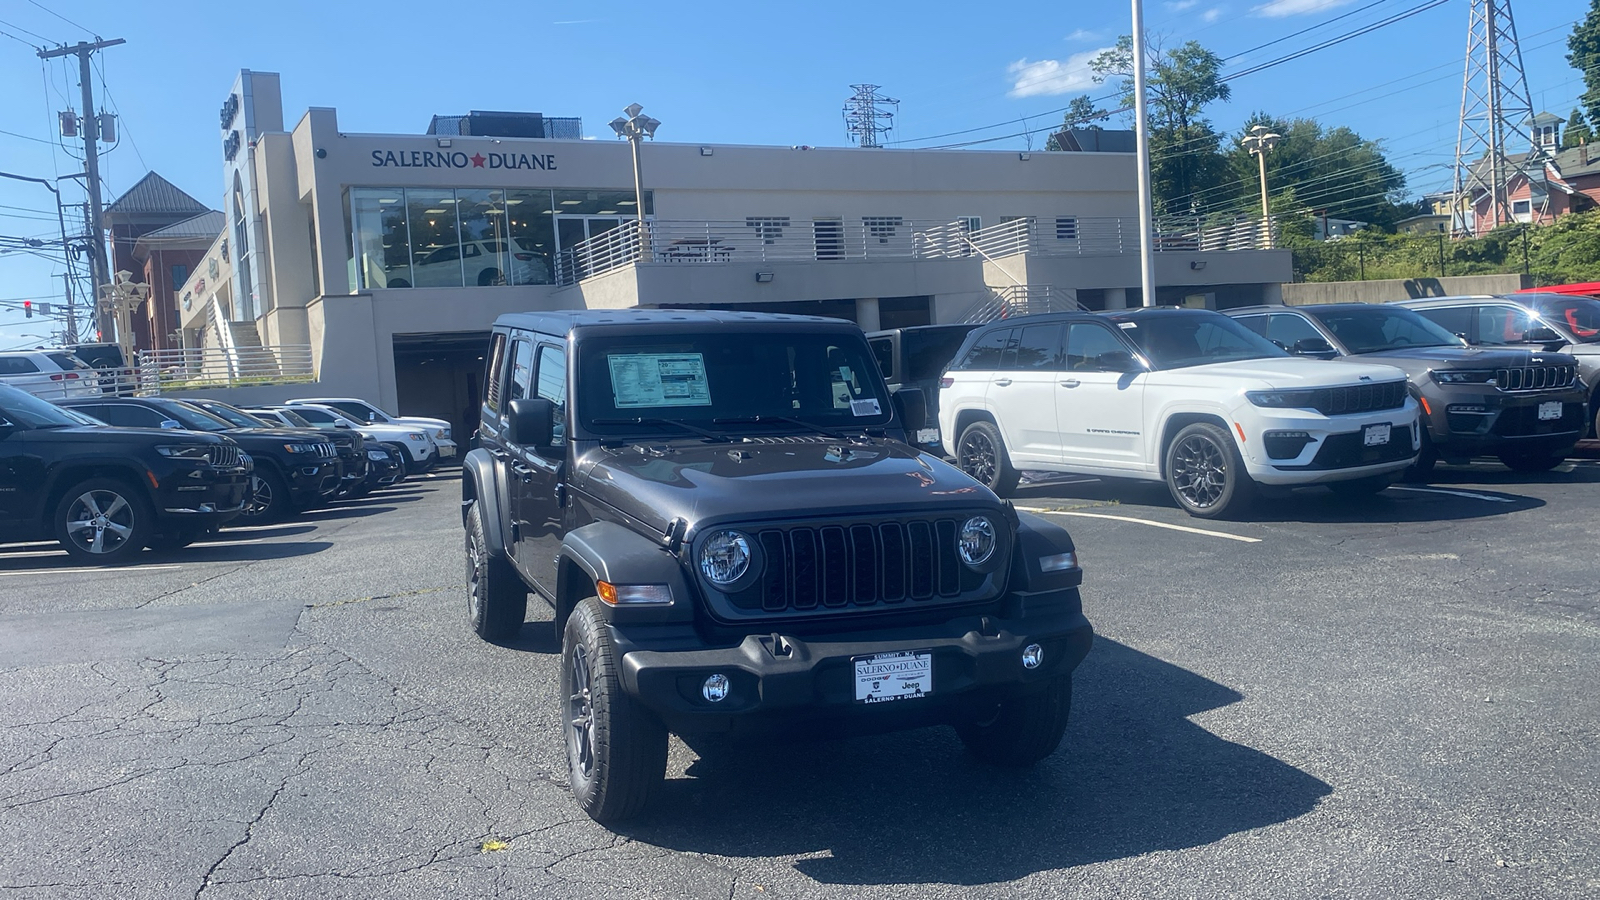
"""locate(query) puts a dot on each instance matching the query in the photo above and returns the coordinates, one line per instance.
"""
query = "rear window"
(67, 361)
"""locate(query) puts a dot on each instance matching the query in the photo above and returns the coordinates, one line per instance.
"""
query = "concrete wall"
(1308, 293)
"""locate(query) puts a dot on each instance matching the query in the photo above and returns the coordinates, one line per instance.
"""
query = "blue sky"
(762, 73)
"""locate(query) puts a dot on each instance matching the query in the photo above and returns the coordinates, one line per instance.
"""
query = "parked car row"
(107, 477)
(1222, 407)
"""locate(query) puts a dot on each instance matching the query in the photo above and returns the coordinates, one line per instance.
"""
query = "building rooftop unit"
(488, 123)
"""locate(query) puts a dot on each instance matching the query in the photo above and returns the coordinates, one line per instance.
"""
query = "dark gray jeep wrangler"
(724, 514)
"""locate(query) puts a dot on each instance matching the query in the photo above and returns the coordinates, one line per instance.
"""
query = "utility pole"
(98, 267)
(1147, 260)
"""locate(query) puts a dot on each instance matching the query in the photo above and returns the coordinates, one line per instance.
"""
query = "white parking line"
(1084, 515)
(113, 571)
(1468, 494)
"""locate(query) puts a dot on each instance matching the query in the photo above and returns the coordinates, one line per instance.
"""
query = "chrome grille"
(1359, 398)
(224, 456)
(1535, 378)
(834, 566)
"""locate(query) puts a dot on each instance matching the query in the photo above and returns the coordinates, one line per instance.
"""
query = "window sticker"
(867, 407)
(658, 379)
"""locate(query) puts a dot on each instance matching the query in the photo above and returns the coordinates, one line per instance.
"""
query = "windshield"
(191, 417)
(729, 382)
(294, 418)
(1196, 338)
(237, 417)
(360, 412)
(316, 416)
(23, 408)
(1579, 316)
(1376, 328)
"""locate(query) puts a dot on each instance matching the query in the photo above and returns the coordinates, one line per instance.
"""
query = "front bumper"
(204, 497)
(1474, 420)
(311, 480)
(1334, 448)
(975, 659)
(447, 448)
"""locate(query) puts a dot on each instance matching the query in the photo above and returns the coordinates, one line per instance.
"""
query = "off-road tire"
(616, 750)
(1022, 729)
(981, 453)
(1205, 473)
(497, 600)
(128, 522)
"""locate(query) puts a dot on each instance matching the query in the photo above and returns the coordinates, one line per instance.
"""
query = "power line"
(59, 16)
(1296, 34)
(25, 31)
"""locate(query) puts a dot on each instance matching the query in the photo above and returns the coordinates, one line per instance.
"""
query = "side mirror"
(1118, 361)
(341, 424)
(1311, 347)
(6, 427)
(912, 406)
(171, 423)
(531, 422)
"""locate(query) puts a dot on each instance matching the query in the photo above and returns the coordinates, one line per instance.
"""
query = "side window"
(16, 365)
(1086, 343)
(1456, 320)
(1287, 330)
(125, 416)
(1038, 347)
(985, 354)
(491, 378)
(1502, 324)
(552, 386)
(520, 384)
(883, 353)
(1258, 324)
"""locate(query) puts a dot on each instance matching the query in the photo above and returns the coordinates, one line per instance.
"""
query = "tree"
(1313, 168)
(1081, 113)
(1584, 55)
(1577, 133)
(1182, 82)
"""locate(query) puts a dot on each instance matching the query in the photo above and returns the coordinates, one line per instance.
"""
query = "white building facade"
(391, 255)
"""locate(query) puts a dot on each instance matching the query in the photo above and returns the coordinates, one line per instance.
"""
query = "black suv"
(1525, 406)
(293, 470)
(734, 536)
(915, 357)
(107, 493)
(350, 446)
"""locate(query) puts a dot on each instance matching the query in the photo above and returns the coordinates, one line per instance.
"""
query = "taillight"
(64, 376)
(946, 381)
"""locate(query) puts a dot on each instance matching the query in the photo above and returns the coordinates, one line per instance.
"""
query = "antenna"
(864, 121)
(1494, 105)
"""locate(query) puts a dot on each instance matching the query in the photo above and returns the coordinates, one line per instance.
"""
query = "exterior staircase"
(1019, 300)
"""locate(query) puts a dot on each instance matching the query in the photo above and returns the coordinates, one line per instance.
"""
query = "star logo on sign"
(477, 160)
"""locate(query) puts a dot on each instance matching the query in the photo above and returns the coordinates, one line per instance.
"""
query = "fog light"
(1032, 656)
(716, 688)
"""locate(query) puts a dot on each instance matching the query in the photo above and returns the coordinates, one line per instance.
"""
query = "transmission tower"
(1494, 105)
(865, 118)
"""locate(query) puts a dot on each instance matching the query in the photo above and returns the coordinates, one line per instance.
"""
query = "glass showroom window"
(435, 239)
(484, 237)
(533, 236)
(382, 244)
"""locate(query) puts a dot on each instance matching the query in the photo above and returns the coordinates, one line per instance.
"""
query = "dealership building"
(383, 259)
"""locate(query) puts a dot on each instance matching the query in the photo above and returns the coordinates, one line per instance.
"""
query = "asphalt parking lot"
(1390, 698)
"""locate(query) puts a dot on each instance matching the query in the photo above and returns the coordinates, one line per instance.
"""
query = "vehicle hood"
(392, 432)
(418, 421)
(1418, 360)
(746, 481)
(1274, 374)
(296, 435)
(107, 435)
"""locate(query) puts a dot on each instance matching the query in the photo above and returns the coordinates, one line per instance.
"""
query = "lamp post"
(1258, 142)
(1147, 259)
(635, 128)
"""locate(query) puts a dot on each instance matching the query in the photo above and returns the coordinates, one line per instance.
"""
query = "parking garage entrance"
(441, 375)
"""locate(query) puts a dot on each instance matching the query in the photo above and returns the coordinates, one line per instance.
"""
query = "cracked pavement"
(1388, 699)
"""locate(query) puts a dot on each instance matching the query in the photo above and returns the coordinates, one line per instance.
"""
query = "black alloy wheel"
(266, 498)
(103, 521)
(1205, 472)
(981, 453)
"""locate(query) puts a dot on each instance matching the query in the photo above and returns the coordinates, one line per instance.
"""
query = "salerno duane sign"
(458, 159)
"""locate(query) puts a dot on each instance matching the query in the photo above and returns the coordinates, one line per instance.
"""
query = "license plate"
(1375, 435)
(1549, 411)
(893, 676)
(928, 436)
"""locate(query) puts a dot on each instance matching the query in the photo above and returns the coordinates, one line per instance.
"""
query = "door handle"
(1070, 382)
(1002, 382)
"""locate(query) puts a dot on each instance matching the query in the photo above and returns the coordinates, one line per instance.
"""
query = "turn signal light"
(634, 594)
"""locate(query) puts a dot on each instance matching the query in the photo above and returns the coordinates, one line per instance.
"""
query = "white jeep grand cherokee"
(1181, 395)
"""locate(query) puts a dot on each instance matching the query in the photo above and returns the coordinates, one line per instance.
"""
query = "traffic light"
(27, 308)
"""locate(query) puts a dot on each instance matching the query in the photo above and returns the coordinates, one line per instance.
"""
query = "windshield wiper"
(757, 420)
(656, 420)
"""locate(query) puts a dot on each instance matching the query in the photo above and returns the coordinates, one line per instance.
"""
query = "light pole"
(635, 128)
(1258, 142)
(66, 251)
(1147, 259)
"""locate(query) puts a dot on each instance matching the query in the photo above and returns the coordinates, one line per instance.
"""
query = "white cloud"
(1083, 34)
(1278, 9)
(1181, 5)
(1212, 14)
(1053, 76)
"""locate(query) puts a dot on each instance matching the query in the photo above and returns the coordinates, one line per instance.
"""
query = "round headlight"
(976, 541)
(725, 557)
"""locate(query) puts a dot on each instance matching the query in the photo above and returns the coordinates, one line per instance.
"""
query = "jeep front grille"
(1535, 378)
(224, 456)
(1359, 398)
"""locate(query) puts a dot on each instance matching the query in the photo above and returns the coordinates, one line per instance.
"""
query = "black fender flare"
(481, 484)
(1038, 537)
(607, 551)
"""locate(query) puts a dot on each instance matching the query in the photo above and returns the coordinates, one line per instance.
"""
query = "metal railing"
(161, 371)
(1020, 300)
(1114, 235)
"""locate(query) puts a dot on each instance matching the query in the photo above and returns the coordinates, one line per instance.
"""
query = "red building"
(168, 256)
(1547, 182)
(151, 205)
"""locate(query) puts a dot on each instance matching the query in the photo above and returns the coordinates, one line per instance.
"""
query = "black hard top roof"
(564, 320)
(1310, 307)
